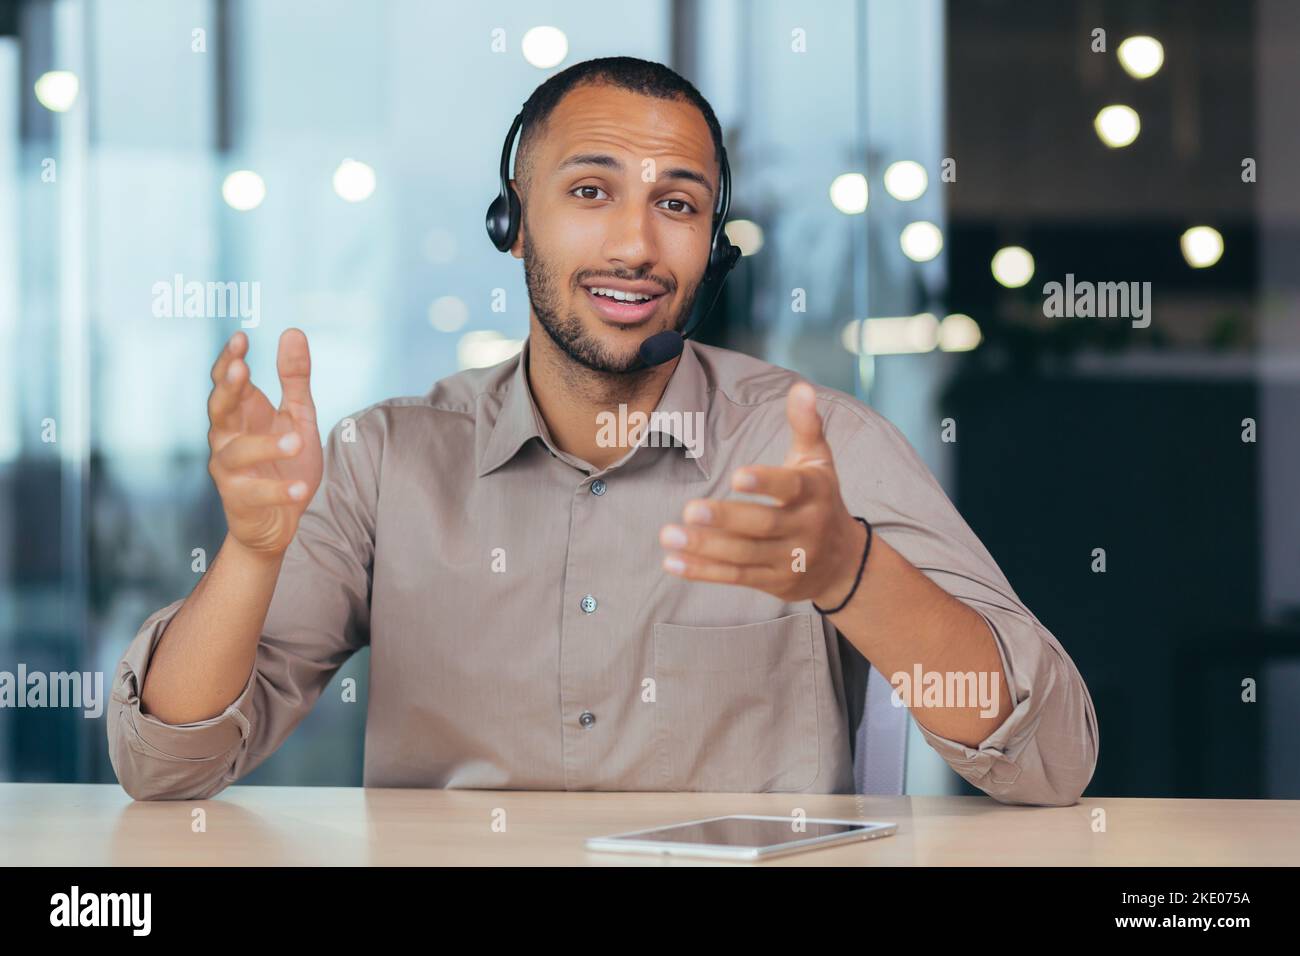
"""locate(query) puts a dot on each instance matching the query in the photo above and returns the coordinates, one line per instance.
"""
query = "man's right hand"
(266, 462)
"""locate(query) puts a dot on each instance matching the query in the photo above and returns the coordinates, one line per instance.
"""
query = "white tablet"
(742, 836)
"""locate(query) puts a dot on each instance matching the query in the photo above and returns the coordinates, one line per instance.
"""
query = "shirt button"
(587, 718)
(588, 604)
(598, 487)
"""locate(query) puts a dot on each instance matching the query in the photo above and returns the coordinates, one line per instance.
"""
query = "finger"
(226, 395)
(236, 346)
(252, 492)
(710, 543)
(786, 485)
(293, 362)
(745, 518)
(719, 572)
(248, 450)
(809, 445)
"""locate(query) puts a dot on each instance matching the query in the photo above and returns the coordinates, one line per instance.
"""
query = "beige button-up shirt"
(523, 634)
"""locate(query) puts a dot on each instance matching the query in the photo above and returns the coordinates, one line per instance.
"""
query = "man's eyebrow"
(614, 163)
(591, 159)
(690, 175)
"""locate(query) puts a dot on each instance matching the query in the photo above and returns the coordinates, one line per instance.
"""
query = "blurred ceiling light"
(921, 241)
(891, 335)
(480, 349)
(354, 180)
(1013, 266)
(959, 333)
(906, 180)
(849, 193)
(1117, 125)
(1202, 246)
(57, 90)
(746, 234)
(1141, 56)
(544, 47)
(243, 190)
(448, 313)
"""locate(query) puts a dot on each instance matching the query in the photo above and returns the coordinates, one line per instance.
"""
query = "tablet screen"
(739, 831)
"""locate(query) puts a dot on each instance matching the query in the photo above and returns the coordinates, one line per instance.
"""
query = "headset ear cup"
(503, 218)
(496, 228)
(723, 258)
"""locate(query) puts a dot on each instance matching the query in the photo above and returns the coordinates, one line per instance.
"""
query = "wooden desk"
(98, 824)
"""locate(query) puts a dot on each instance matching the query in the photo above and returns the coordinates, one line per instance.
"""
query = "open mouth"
(627, 311)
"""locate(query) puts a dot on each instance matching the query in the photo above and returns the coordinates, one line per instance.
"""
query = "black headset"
(503, 217)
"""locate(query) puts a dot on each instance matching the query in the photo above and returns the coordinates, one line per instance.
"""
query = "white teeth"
(620, 295)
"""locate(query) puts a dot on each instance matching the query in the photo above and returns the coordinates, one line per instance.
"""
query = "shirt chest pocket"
(736, 707)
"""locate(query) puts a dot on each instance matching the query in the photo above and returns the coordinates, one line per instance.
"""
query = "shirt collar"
(681, 415)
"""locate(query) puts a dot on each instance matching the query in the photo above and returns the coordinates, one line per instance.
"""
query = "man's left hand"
(805, 545)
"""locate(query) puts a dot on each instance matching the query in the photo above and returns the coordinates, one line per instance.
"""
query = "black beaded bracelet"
(861, 567)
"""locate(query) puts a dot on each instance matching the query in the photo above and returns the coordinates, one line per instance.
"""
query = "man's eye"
(682, 202)
(581, 188)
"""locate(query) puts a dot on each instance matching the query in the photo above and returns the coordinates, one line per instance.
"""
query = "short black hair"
(625, 72)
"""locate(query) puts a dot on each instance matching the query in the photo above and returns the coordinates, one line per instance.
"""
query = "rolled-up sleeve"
(318, 617)
(154, 759)
(1044, 753)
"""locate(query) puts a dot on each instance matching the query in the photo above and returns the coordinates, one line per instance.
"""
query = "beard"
(568, 332)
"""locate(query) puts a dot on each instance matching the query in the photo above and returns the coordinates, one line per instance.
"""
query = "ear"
(517, 250)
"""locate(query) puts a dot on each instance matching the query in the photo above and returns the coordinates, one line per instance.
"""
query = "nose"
(630, 240)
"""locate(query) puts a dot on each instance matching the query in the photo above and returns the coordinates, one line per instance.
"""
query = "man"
(555, 603)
